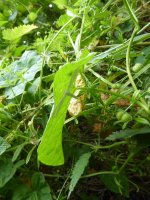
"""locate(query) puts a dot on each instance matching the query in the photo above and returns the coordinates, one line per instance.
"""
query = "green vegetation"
(74, 99)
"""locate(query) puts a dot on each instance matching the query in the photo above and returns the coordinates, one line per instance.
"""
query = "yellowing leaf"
(17, 32)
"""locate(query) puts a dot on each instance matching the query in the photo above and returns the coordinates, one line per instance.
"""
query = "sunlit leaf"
(61, 3)
(16, 75)
(17, 32)
(50, 150)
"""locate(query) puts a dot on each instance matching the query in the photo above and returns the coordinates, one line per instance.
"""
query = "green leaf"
(15, 76)
(142, 120)
(60, 3)
(78, 171)
(63, 19)
(34, 86)
(3, 145)
(50, 150)
(17, 32)
(123, 134)
(116, 183)
(3, 22)
(39, 189)
(22, 70)
(18, 151)
(15, 91)
(30, 154)
(7, 169)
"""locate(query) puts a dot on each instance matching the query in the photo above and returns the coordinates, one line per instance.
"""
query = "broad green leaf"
(78, 171)
(116, 183)
(123, 134)
(50, 150)
(7, 170)
(15, 91)
(17, 32)
(15, 76)
(22, 70)
(3, 145)
(39, 189)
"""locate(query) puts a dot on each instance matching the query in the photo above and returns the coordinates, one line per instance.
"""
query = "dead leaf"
(76, 104)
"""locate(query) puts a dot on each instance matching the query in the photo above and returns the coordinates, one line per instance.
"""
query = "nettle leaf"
(39, 189)
(78, 171)
(50, 150)
(3, 145)
(15, 76)
(17, 32)
(123, 134)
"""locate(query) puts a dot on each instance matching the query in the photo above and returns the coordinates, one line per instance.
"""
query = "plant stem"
(135, 20)
(131, 13)
(41, 76)
(145, 27)
(55, 36)
(98, 173)
(128, 60)
(126, 162)
(112, 145)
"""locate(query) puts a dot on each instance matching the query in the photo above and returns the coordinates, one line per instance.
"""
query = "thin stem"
(53, 175)
(81, 30)
(99, 146)
(100, 77)
(126, 162)
(98, 173)
(128, 60)
(41, 76)
(131, 13)
(135, 31)
(135, 20)
(55, 36)
(107, 5)
(63, 187)
(112, 145)
(144, 27)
